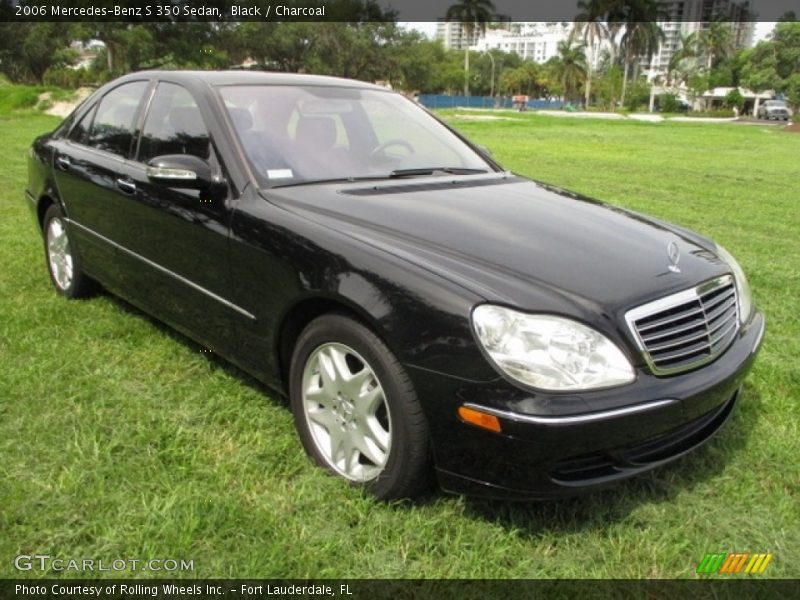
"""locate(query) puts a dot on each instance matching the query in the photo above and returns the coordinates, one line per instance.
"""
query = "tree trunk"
(589, 68)
(624, 80)
(466, 71)
(588, 86)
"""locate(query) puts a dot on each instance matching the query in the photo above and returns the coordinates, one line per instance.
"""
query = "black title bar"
(343, 10)
(359, 589)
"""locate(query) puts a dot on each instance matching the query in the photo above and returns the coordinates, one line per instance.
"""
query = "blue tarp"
(443, 101)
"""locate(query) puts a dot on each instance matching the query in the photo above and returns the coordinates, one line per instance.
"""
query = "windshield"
(304, 134)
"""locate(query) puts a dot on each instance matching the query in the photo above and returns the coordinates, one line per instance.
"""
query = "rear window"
(112, 128)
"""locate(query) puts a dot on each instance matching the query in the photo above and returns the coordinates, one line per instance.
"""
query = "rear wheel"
(63, 263)
(356, 411)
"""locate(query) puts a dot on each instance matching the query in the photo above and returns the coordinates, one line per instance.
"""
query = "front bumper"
(554, 445)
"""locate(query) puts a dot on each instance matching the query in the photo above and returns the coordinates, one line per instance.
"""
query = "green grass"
(121, 439)
(15, 99)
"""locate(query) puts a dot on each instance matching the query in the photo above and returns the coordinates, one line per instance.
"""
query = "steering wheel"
(380, 148)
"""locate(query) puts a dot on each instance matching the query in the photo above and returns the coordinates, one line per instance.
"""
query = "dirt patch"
(62, 108)
(794, 128)
(481, 118)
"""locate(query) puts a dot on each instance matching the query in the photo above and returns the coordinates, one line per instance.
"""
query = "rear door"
(88, 169)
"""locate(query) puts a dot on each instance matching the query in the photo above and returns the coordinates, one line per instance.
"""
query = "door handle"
(126, 186)
(63, 162)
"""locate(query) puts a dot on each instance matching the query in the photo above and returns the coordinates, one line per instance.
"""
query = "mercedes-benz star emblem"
(674, 254)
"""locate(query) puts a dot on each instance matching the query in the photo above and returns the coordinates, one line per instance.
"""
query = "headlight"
(549, 352)
(742, 287)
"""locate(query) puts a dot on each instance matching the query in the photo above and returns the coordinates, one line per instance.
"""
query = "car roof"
(217, 78)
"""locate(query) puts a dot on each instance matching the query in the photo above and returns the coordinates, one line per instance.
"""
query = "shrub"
(734, 99)
(68, 78)
(18, 97)
(669, 103)
(637, 95)
(721, 113)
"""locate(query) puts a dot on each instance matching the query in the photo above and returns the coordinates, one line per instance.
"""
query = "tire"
(345, 381)
(62, 260)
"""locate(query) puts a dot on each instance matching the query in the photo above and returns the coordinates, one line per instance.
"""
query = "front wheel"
(356, 411)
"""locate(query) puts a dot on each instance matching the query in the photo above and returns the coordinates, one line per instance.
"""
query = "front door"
(176, 240)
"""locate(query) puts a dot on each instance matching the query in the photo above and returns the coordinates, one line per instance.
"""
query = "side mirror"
(182, 171)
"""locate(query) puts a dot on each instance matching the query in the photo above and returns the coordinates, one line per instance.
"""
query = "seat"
(316, 149)
(316, 132)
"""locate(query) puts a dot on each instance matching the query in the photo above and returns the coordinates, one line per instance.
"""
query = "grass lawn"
(120, 439)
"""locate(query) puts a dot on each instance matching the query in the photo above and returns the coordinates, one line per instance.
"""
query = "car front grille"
(688, 329)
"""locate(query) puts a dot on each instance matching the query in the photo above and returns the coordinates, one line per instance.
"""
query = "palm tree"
(642, 33)
(716, 41)
(473, 15)
(687, 49)
(591, 27)
(570, 66)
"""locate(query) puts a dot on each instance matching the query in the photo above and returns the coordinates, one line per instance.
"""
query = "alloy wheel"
(346, 411)
(59, 253)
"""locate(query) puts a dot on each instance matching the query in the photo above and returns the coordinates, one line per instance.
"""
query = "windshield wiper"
(432, 170)
(393, 175)
(331, 180)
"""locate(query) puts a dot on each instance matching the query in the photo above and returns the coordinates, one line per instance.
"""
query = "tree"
(774, 64)
(638, 19)
(28, 50)
(473, 15)
(682, 59)
(734, 99)
(354, 50)
(284, 46)
(591, 27)
(716, 42)
(524, 79)
(418, 62)
(792, 89)
(569, 67)
(608, 84)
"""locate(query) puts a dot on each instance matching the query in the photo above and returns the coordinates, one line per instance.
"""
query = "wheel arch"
(306, 310)
(45, 202)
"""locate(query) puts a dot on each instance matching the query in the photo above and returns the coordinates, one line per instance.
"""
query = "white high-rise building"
(692, 16)
(535, 41)
(454, 35)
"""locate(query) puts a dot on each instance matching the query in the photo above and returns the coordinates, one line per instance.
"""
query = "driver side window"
(174, 125)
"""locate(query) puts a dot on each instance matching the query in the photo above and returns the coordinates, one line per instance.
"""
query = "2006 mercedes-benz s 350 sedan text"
(425, 311)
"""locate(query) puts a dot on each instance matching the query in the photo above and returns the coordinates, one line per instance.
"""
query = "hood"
(512, 240)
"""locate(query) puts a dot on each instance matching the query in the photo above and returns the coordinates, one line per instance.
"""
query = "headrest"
(187, 120)
(319, 131)
(241, 117)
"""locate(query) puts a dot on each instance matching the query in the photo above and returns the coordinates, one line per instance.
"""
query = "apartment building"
(454, 35)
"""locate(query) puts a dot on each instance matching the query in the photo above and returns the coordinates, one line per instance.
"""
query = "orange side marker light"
(479, 419)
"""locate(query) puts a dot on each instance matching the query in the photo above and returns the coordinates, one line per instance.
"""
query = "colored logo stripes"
(734, 562)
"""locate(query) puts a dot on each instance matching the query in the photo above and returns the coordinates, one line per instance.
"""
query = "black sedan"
(426, 312)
